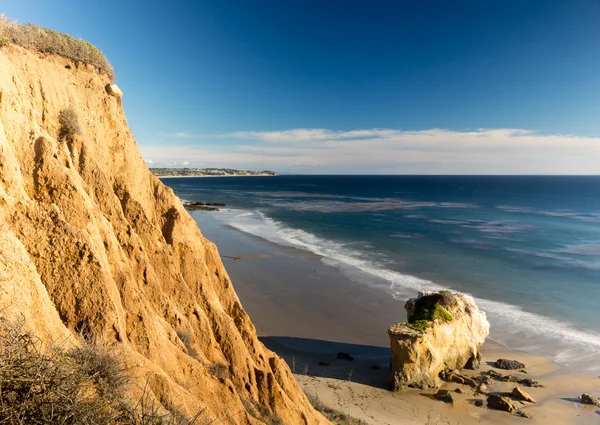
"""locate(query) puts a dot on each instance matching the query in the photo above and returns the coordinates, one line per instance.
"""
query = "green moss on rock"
(426, 313)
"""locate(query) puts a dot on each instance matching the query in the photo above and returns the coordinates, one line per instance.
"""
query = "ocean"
(527, 248)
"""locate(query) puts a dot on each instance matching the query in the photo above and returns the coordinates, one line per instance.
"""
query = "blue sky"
(351, 86)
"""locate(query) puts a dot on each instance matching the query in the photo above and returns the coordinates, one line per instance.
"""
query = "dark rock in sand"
(457, 378)
(323, 364)
(510, 378)
(459, 391)
(345, 356)
(519, 393)
(474, 362)
(589, 399)
(523, 414)
(498, 402)
(445, 396)
(478, 403)
(494, 375)
(508, 364)
(528, 382)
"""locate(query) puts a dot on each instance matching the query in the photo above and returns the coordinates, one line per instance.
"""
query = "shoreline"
(307, 311)
(229, 175)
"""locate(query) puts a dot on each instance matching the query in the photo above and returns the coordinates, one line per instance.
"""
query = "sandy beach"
(307, 312)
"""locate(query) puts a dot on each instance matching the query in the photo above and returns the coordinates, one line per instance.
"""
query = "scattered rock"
(474, 362)
(528, 382)
(478, 403)
(445, 396)
(510, 378)
(494, 375)
(486, 379)
(114, 91)
(520, 394)
(323, 364)
(523, 371)
(457, 378)
(444, 330)
(68, 66)
(523, 414)
(589, 399)
(482, 388)
(459, 391)
(345, 356)
(508, 364)
(498, 402)
(469, 381)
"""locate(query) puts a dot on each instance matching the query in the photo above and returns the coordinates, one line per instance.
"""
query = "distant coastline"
(209, 172)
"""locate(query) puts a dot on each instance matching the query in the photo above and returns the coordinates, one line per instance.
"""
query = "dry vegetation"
(83, 385)
(69, 124)
(45, 40)
(260, 412)
(333, 415)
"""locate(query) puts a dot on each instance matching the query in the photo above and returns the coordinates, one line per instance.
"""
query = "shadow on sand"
(313, 357)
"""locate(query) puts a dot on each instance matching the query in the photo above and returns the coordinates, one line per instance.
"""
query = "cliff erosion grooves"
(90, 239)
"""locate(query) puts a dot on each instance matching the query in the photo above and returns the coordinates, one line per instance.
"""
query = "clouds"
(393, 151)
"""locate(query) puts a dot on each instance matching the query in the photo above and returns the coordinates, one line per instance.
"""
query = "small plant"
(219, 370)
(102, 366)
(187, 338)
(69, 124)
(260, 412)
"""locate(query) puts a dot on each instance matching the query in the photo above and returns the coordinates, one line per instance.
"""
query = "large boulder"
(444, 331)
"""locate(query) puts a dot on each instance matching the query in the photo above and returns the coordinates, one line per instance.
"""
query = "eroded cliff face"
(90, 239)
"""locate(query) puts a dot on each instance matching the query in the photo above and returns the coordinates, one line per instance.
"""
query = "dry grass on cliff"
(69, 123)
(83, 385)
(45, 40)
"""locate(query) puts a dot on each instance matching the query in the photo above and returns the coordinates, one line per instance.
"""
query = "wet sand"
(307, 312)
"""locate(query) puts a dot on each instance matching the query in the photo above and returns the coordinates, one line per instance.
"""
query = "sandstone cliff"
(89, 238)
(444, 331)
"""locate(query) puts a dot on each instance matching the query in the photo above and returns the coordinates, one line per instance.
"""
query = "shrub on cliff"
(45, 40)
(69, 123)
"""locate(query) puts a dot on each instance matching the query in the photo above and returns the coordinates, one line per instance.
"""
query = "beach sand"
(307, 312)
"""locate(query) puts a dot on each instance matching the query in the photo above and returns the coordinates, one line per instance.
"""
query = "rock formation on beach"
(444, 331)
(90, 239)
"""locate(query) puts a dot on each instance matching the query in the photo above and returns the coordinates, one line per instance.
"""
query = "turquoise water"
(527, 248)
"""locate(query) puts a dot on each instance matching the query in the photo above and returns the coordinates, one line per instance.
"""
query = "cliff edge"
(90, 239)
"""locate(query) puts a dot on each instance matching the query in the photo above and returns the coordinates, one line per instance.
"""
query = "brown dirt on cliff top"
(90, 239)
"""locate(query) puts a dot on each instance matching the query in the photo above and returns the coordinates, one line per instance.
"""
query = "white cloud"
(380, 151)
(184, 135)
(149, 161)
(186, 163)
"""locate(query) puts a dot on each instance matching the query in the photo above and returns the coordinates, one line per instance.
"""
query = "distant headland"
(207, 172)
